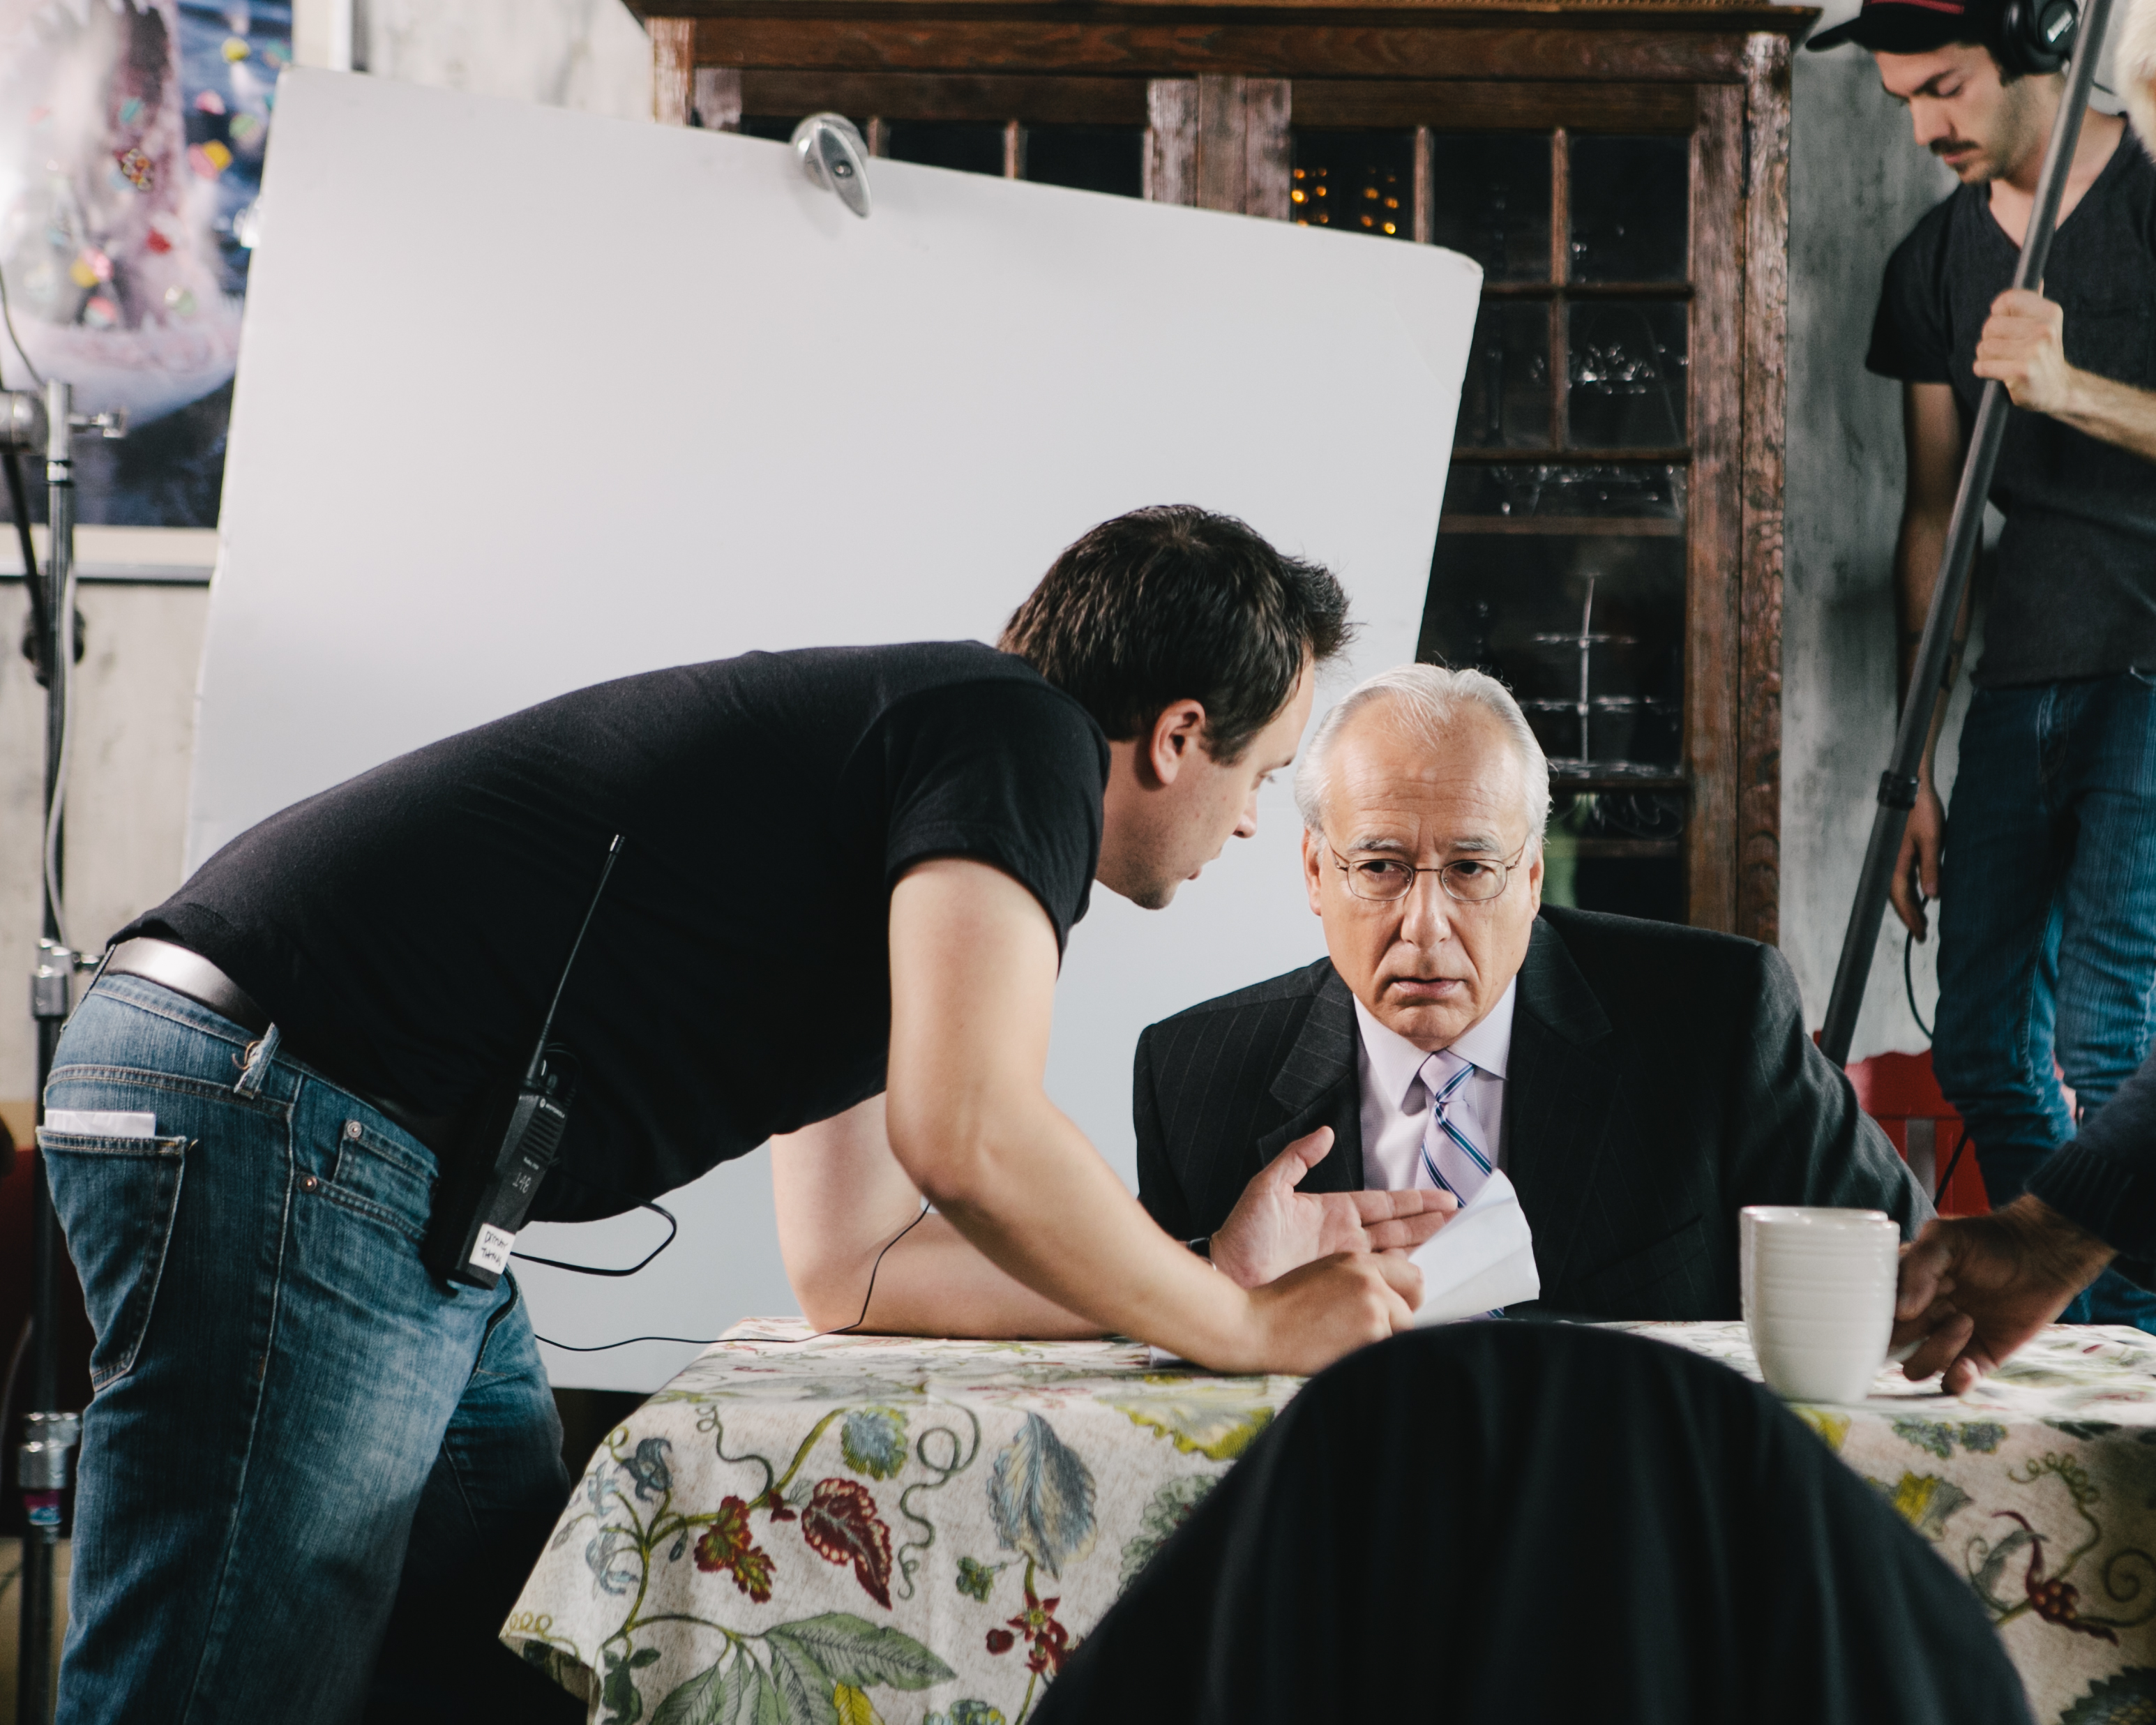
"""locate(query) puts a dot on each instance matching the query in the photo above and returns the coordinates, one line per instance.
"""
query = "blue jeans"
(312, 1479)
(2047, 927)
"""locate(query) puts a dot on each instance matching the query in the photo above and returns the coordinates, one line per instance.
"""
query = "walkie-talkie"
(483, 1200)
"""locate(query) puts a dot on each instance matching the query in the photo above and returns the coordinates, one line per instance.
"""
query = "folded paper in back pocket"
(101, 1123)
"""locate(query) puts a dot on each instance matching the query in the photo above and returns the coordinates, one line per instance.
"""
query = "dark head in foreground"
(1538, 1522)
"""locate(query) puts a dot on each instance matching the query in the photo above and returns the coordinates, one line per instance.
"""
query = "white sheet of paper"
(528, 399)
(1482, 1261)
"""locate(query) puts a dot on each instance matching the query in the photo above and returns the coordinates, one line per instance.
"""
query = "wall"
(134, 736)
(1858, 183)
(586, 54)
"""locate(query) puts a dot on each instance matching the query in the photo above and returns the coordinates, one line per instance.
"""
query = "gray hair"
(1431, 699)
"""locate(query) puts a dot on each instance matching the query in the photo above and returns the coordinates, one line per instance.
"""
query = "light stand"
(52, 646)
(1931, 682)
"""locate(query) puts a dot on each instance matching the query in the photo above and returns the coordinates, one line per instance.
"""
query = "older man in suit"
(1638, 1082)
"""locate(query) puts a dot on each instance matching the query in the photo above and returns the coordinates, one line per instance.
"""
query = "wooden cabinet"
(1612, 539)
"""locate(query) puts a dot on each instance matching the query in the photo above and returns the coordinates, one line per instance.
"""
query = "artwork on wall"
(131, 141)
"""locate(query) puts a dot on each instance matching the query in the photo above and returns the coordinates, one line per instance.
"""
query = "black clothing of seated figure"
(1660, 1079)
(1530, 1523)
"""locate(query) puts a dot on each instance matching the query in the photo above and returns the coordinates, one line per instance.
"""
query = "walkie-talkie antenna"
(539, 1052)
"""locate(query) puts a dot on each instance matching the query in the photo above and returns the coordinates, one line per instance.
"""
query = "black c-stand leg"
(42, 1459)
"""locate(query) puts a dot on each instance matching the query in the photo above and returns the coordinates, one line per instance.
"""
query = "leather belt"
(186, 972)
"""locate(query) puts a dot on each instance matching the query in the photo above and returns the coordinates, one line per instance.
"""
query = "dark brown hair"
(1174, 603)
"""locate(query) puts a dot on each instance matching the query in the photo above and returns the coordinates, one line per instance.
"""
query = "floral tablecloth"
(860, 1529)
(2039, 1487)
(855, 1529)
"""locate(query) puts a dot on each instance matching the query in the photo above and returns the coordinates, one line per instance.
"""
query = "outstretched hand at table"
(1975, 1288)
(1275, 1228)
(1311, 1316)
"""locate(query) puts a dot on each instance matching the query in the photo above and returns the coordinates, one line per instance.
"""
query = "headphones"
(2034, 37)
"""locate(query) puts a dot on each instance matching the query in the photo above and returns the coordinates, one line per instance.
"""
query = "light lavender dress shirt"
(1396, 1104)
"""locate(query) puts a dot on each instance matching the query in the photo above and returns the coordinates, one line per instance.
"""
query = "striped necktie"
(1450, 1157)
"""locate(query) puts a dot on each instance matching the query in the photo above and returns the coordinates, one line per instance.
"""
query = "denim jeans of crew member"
(312, 1479)
(2047, 927)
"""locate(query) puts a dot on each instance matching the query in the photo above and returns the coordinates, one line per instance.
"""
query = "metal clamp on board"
(834, 156)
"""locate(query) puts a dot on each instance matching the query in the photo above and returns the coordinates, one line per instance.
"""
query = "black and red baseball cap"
(1910, 26)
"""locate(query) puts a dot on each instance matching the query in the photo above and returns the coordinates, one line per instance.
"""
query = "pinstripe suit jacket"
(1660, 1079)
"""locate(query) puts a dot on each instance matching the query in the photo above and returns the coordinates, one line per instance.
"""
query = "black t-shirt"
(2077, 588)
(407, 928)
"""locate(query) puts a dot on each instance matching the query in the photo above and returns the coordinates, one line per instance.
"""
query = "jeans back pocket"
(116, 1200)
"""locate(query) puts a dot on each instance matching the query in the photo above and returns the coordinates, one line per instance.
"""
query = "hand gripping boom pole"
(1928, 684)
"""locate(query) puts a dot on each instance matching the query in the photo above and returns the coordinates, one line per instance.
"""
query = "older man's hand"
(1976, 1288)
(1275, 1228)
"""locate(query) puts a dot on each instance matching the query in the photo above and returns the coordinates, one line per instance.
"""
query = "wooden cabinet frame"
(1218, 87)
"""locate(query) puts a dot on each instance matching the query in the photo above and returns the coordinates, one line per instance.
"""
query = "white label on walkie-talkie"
(492, 1250)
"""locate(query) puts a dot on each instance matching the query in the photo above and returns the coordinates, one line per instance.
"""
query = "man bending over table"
(315, 1473)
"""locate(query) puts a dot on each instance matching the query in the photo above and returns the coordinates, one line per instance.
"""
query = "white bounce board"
(527, 399)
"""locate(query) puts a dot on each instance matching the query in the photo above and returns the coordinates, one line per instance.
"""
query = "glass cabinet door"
(1561, 561)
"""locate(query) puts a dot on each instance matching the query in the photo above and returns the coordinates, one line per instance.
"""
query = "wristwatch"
(1202, 1246)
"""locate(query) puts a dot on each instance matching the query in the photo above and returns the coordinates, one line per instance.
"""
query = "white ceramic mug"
(1819, 1297)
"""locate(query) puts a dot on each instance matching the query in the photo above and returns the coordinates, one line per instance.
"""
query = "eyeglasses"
(1387, 880)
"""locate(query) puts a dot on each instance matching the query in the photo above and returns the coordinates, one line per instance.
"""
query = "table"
(2039, 1486)
(866, 1527)
(860, 1528)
